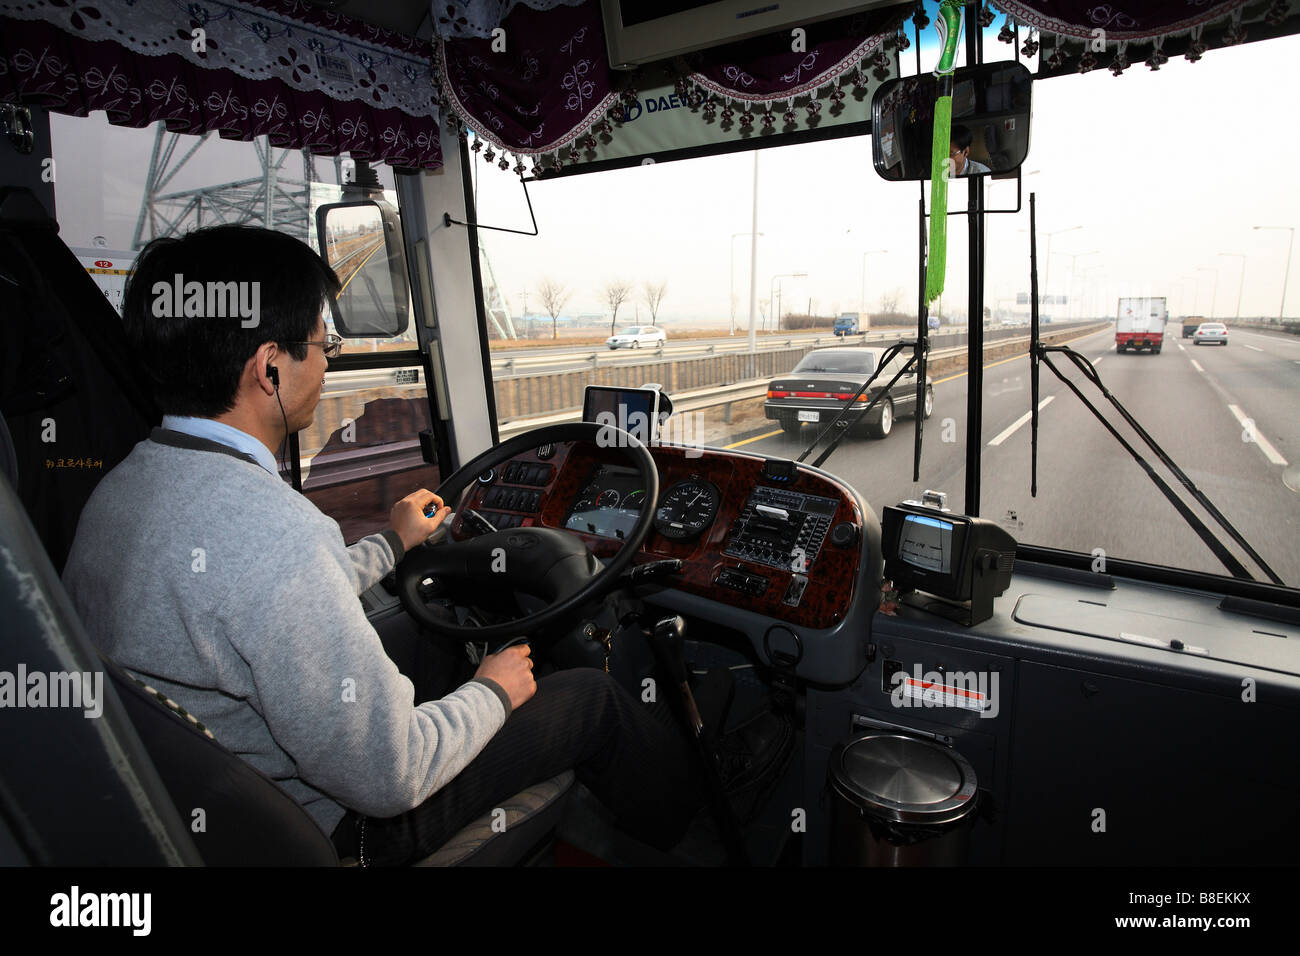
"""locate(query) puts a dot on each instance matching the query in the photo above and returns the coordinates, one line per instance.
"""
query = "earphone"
(274, 375)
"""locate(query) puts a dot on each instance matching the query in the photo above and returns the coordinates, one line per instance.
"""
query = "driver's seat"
(272, 829)
(232, 814)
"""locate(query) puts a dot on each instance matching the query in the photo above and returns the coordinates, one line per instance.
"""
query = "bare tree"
(616, 293)
(889, 301)
(653, 294)
(554, 296)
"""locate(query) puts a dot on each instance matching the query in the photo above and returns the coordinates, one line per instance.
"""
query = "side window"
(119, 187)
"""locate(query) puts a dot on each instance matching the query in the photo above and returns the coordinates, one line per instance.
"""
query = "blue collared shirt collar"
(225, 434)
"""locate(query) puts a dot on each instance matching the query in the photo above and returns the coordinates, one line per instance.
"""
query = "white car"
(635, 336)
(1215, 332)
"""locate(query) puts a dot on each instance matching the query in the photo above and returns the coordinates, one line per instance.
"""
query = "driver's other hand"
(513, 670)
(409, 520)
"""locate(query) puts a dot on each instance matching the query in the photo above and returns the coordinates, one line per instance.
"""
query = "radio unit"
(782, 529)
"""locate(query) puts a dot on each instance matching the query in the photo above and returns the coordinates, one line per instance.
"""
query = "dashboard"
(762, 536)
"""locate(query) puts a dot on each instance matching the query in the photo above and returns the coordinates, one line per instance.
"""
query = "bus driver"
(197, 568)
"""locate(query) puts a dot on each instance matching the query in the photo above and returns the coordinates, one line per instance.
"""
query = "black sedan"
(824, 381)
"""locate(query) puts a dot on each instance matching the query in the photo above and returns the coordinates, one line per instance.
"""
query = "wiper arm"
(1235, 567)
(848, 406)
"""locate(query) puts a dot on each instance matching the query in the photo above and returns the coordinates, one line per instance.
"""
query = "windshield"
(836, 362)
(1114, 224)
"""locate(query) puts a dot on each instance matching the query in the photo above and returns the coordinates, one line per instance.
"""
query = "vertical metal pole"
(1286, 275)
(731, 299)
(922, 336)
(1033, 345)
(753, 270)
(974, 296)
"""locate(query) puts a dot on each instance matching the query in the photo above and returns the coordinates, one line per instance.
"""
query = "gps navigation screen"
(926, 543)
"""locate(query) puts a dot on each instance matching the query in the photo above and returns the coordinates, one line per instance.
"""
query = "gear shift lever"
(669, 645)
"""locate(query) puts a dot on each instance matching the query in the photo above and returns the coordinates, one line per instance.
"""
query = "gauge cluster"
(609, 504)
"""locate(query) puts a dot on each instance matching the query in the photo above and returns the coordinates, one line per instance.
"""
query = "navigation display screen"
(926, 543)
(610, 504)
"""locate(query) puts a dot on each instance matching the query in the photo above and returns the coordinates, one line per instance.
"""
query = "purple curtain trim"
(553, 83)
(1134, 20)
(550, 86)
(41, 65)
(765, 70)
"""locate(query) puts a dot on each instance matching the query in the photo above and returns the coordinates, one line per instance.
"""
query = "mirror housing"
(990, 101)
(362, 242)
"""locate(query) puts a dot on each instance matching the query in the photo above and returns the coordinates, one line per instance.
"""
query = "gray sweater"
(212, 580)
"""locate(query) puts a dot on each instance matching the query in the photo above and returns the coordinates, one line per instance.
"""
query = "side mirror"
(362, 242)
(990, 122)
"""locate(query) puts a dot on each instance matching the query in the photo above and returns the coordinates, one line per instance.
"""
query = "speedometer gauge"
(687, 509)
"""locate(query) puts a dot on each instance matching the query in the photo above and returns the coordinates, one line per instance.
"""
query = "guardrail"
(341, 467)
(940, 361)
(540, 393)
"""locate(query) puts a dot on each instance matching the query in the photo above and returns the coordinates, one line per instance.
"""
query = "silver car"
(1215, 332)
(636, 336)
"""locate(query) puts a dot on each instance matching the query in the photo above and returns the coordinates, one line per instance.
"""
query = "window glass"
(116, 188)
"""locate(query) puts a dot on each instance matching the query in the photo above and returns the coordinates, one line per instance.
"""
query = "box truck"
(1140, 324)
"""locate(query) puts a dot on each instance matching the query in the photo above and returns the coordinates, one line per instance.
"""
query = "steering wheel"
(548, 563)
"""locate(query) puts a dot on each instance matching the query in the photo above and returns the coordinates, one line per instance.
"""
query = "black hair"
(254, 286)
(961, 136)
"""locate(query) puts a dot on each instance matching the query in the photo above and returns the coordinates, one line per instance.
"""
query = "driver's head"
(959, 147)
(209, 312)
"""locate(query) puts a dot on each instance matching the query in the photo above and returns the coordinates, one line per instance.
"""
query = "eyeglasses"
(333, 345)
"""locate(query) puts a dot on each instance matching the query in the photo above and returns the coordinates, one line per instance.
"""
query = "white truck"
(1140, 324)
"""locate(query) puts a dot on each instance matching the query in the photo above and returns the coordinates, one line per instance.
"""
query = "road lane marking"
(1097, 360)
(1180, 346)
(755, 438)
(1197, 365)
(1253, 348)
(1010, 429)
(1264, 444)
(938, 381)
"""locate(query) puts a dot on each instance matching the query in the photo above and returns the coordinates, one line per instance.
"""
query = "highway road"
(1196, 402)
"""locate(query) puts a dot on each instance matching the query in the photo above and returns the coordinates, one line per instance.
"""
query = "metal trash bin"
(900, 801)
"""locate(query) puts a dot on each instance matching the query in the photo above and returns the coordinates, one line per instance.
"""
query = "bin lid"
(904, 779)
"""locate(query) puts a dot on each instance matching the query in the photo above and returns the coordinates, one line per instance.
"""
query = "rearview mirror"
(362, 242)
(990, 122)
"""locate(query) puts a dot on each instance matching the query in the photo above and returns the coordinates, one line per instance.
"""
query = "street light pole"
(1214, 297)
(753, 267)
(1241, 277)
(1074, 258)
(732, 301)
(863, 312)
(773, 287)
(1281, 309)
(1047, 261)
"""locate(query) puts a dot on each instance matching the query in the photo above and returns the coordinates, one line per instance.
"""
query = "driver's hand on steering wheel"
(513, 670)
(410, 521)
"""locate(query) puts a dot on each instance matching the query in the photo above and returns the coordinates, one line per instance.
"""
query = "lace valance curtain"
(550, 93)
(280, 68)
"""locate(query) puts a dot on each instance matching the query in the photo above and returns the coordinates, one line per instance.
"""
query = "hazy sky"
(1162, 171)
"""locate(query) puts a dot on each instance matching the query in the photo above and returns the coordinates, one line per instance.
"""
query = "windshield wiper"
(844, 426)
(1235, 567)
(1038, 353)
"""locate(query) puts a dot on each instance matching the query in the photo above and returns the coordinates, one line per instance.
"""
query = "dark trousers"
(628, 753)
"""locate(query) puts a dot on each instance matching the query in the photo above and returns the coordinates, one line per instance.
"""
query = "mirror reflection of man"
(959, 152)
(196, 567)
